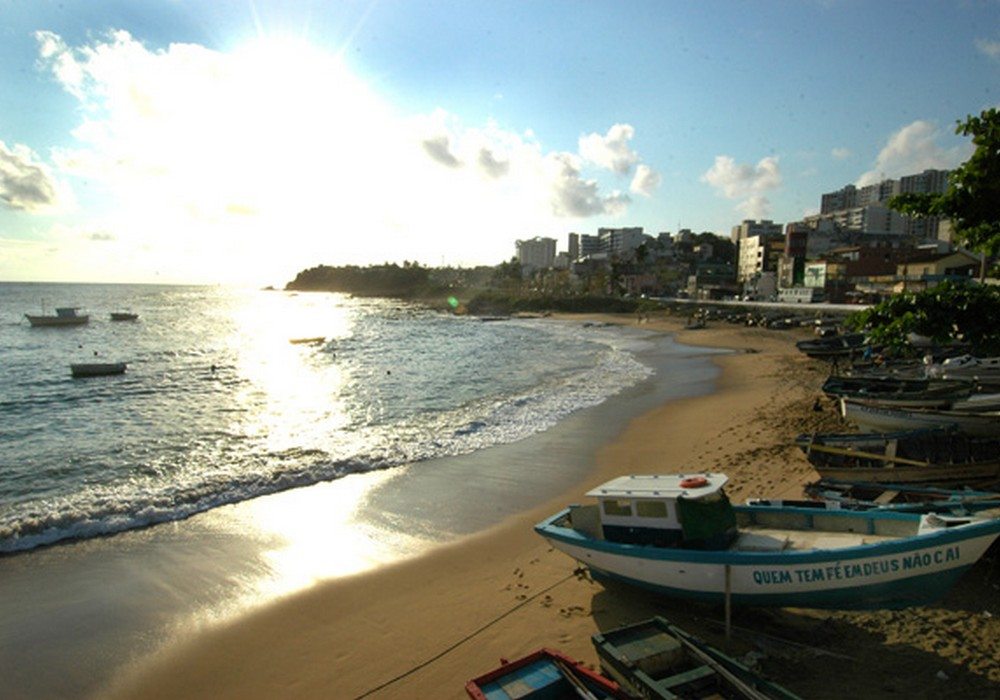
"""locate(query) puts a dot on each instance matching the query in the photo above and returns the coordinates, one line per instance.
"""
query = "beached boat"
(655, 659)
(679, 535)
(834, 347)
(966, 367)
(97, 369)
(903, 497)
(64, 316)
(898, 391)
(124, 316)
(904, 457)
(874, 417)
(545, 674)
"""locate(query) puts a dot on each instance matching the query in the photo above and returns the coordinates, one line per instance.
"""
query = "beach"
(421, 627)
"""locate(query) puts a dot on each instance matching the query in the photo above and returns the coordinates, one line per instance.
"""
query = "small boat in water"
(64, 316)
(124, 316)
(97, 369)
(545, 674)
(308, 341)
(655, 659)
(903, 457)
(680, 536)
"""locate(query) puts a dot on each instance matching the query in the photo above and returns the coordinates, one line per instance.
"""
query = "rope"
(466, 638)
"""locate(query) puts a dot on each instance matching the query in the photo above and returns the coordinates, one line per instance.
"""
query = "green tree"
(972, 200)
(950, 311)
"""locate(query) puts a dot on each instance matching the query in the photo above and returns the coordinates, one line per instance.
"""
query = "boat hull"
(98, 369)
(888, 575)
(56, 321)
(883, 419)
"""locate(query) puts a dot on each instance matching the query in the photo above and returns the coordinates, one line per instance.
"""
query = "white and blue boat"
(680, 535)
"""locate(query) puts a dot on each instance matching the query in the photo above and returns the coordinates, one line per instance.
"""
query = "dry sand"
(421, 628)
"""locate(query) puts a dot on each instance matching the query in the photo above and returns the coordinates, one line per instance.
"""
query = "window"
(613, 507)
(651, 509)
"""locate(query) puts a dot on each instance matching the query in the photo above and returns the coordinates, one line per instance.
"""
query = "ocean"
(218, 406)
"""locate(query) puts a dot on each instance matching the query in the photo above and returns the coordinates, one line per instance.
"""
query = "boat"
(124, 316)
(903, 497)
(898, 391)
(64, 316)
(966, 367)
(904, 457)
(655, 659)
(545, 674)
(97, 369)
(834, 347)
(307, 341)
(679, 535)
(874, 417)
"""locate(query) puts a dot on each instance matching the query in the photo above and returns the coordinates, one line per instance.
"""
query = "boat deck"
(763, 539)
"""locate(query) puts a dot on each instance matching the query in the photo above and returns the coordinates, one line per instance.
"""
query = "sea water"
(219, 406)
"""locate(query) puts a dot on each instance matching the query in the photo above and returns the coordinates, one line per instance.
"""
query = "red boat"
(547, 674)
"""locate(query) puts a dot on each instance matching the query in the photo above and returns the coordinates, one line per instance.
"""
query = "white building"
(537, 253)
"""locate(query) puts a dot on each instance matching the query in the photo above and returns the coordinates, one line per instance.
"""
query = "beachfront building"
(760, 245)
(537, 253)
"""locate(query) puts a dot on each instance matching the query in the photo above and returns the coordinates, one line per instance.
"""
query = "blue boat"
(545, 674)
(679, 535)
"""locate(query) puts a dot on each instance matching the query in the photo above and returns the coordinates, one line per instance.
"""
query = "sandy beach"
(422, 627)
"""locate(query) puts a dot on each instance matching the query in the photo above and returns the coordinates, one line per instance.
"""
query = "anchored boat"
(680, 535)
(64, 316)
(96, 369)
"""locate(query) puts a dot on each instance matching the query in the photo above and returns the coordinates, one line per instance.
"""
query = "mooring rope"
(466, 638)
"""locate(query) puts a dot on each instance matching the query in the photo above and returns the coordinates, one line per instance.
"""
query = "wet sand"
(421, 627)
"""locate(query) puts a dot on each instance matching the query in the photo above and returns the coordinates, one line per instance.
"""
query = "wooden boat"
(903, 497)
(97, 369)
(905, 457)
(898, 391)
(124, 316)
(545, 674)
(834, 347)
(307, 341)
(64, 316)
(655, 659)
(874, 417)
(679, 535)
(965, 367)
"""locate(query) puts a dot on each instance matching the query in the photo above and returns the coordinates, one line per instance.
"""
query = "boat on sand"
(679, 535)
(545, 674)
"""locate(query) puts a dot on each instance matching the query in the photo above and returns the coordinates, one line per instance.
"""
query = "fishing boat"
(545, 674)
(904, 457)
(97, 369)
(655, 659)
(903, 497)
(308, 341)
(124, 316)
(64, 316)
(834, 347)
(679, 535)
(898, 391)
(874, 417)
(966, 367)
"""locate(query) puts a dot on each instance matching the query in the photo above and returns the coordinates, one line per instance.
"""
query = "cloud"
(439, 149)
(840, 153)
(913, 149)
(25, 183)
(575, 196)
(611, 151)
(746, 182)
(988, 47)
(646, 180)
(489, 164)
(102, 236)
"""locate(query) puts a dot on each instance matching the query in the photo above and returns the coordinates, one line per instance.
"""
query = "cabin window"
(618, 508)
(651, 509)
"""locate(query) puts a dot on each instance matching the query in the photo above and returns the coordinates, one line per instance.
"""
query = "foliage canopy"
(968, 313)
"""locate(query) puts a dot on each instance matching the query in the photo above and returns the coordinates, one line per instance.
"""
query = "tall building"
(537, 253)
(621, 240)
(749, 228)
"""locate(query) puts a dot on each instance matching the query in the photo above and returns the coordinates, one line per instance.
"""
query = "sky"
(241, 141)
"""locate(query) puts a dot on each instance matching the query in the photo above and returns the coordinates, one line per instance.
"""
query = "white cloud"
(612, 150)
(274, 157)
(745, 182)
(913, 149)
(646, 180)
(25, 182)
(840, 153)
(988, 47)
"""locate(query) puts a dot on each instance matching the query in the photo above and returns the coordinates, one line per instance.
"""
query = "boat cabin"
(666, 510)
(67, 311)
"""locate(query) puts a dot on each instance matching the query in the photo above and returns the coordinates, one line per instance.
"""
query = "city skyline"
(240, 142)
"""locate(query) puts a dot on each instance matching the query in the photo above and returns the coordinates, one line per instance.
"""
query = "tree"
(972, 200)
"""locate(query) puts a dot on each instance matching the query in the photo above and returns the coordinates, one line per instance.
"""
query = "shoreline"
(423, 626)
